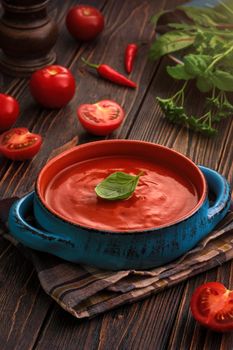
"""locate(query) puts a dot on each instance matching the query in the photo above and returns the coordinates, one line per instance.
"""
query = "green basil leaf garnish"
(118, 185)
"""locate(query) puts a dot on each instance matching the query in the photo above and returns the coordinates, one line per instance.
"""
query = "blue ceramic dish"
(118, 250)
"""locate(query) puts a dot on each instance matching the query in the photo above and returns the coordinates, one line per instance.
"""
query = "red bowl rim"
(92, 144)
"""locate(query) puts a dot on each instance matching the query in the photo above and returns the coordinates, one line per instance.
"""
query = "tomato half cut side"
(19, 144)
(212, 306)
(101, 118)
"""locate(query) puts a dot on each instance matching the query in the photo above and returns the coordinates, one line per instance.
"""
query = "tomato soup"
(162, 195)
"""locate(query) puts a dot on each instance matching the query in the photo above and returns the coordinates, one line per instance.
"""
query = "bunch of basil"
(206, 41)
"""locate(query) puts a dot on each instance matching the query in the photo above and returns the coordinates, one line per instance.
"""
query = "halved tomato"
(102, 117)
(19, 144)
(212, 306)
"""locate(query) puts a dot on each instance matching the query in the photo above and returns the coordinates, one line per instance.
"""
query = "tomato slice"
(101, 118)
(212, 306)
(19, 144)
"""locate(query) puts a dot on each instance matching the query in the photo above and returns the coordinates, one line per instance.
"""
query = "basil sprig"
(118, 185)
(208, 42)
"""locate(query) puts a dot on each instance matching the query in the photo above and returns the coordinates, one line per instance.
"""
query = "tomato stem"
(92, 65)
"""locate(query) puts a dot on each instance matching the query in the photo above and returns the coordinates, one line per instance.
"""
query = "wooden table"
(29, 319)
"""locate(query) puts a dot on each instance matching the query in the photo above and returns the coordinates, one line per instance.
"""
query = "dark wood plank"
(116, 329)
(23, 304)
(64, 331)
(152, 327)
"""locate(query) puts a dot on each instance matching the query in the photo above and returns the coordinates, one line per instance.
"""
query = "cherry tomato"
(9, 111)
(100, 118)
(212, 306)
(19, 144)
(52, 86)
(84, 22)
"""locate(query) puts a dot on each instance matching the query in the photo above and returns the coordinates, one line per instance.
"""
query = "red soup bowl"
(167, 215)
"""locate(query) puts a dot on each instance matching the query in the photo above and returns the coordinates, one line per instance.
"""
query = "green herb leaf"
(196, 65)
(178, 72)
(204, 84)
(222, 80)
(182, 26)
(170, 42)
(205, 16)
(205, 37)
(225, 10)
(118, 185)
(207, 42)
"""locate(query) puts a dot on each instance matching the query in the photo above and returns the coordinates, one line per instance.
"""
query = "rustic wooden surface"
(29, 319)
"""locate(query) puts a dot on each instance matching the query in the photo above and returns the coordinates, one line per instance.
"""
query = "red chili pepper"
(111, 74)
(130, 54)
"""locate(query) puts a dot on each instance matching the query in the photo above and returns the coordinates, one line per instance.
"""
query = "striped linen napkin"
(85, 291)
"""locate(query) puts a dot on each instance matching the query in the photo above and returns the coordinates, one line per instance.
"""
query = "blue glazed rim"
(186, 217)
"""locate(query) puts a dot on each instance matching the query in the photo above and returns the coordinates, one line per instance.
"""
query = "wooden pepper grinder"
(27, 35)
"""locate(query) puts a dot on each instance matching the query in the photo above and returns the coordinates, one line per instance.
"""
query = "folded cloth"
(85, 291)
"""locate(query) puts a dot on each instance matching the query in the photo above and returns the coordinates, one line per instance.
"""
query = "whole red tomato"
(19, 144)
(84, 22)
(212, 306)
(9, 111)
(52, 86)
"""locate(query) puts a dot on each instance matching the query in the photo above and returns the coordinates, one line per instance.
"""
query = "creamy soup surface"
(161, 197)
